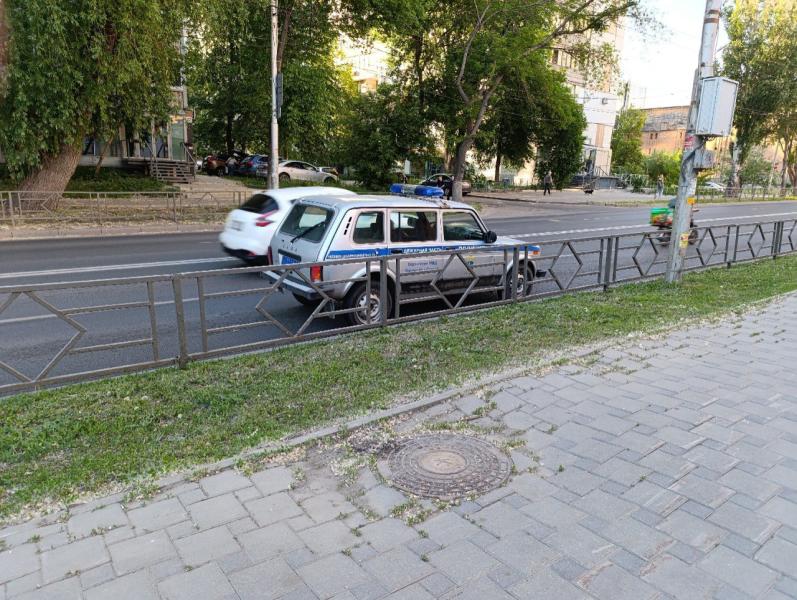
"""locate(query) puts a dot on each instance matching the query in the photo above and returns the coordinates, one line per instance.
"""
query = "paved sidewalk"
(664, 469)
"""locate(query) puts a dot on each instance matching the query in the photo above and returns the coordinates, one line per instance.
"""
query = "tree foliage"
(664, 163)
(84, 68)
(762, 56)
(383, 130)
(627, 141)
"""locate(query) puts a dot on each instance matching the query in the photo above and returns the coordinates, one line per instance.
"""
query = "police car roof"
(380, 201)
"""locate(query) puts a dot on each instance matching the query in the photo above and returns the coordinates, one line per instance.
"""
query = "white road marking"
(52, 316)
(644, 225)
(165, 263)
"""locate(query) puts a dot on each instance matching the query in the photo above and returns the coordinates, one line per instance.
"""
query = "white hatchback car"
(248, 230)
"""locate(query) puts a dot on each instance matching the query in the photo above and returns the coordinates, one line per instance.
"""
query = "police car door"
(413, 234)
(462, 231)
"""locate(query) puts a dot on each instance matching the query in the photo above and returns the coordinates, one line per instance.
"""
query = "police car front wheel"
(524, 280)
(369, 307)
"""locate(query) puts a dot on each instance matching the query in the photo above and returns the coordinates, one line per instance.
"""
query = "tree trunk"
(785, 166)
(54, 174)
(99, 162)
(3, 46)
(497, 176)
(460, 160)
(228, 134)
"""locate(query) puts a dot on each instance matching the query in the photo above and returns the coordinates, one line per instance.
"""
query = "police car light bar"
(425, 191)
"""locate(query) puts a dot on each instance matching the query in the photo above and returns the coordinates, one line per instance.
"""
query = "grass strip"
(58, 444)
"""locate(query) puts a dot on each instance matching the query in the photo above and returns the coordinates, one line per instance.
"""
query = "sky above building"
(660, 64)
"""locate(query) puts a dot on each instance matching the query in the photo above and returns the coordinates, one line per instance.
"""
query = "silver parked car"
(326, 228)
(301, 171)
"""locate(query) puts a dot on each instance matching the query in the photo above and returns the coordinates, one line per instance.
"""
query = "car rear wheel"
(359, 298)
(284, 177)
(524, 280)
(328, 181)
(219, 172)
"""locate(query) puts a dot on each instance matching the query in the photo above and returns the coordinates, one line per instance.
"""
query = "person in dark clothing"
(547, 183)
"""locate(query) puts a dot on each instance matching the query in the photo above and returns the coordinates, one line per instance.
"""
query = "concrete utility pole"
(273, 161)
(693, 144)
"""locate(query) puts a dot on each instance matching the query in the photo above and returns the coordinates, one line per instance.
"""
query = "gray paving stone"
(73, 558)
(580, 544)
(501, 519)
(382, 499)
(273, 480)
(224, 482)
(96, 576)
(636, 537)
(547, 585)
(680, 580)
(67, 589)
(135, 586)
(397, 568)
(744, 522)
(386, 534)
(143, 551)
(18, 561)
(207, 582)
(166, 568)
(519, 551)
(692, 530)
(752, 486)
(327, 506)
(577, 480)
(207, 545)
(328, 538)
(447, 528)
(437, 584)
(217, 511)
(603, 505)
(273, 508)
(779, 554)
(667, 464)
(610, 582)
(721, 462)
(332, 575)
(157, 515)
(622, 471)
(739, 571)
(679, 437)
(781, 510)
(97, 521)
(268, 542)
(685, 552)
(27, 583)
(463, 561)
(723, 435)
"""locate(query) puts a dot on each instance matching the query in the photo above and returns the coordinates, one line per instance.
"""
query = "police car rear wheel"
(524, 279)
(306, 301)
(358, 298)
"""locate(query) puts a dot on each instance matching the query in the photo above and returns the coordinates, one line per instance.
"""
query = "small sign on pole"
(279, 94)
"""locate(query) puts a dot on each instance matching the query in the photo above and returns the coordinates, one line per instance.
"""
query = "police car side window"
(370, 228)
(413, 226)
(460, 227)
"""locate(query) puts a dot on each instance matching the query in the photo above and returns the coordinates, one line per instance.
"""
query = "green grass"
(57, 444)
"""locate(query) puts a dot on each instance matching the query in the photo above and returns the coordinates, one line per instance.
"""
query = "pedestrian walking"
(659, 186)
(547, 183)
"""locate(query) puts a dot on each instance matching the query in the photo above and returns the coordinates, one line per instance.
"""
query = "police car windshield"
(307, 222)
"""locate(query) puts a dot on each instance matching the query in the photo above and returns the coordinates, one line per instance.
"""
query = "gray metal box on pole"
(717, 106)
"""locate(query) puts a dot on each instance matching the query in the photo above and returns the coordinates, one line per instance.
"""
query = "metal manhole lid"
(445, 466)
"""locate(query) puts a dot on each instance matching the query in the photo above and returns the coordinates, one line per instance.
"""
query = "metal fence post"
(608, 262)
(777, 239)
(179, 308)
(382, 291)
(515, 272)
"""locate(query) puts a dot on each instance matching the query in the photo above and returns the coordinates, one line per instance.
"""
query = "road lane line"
(131, 266)
(52, 316)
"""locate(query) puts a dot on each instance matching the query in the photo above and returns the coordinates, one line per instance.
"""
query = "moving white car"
(248, 230)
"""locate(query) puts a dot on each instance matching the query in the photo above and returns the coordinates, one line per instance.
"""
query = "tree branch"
(476, 29)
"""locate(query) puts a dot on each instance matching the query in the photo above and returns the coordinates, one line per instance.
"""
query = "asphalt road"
(30, 335)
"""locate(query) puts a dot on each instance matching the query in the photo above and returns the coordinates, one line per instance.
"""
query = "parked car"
(248, 230)
(336, 226)
(250, 164)
(330, 170)
(216, 164)
(714, 186)
(442, 180)
(301, 171)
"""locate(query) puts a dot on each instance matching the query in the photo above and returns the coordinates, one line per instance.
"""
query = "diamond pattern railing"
(131, 324)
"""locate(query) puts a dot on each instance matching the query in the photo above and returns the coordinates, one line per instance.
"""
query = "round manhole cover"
(445, 466)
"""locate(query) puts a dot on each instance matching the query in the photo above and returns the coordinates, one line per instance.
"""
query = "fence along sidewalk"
(62, 211)
(113, 326)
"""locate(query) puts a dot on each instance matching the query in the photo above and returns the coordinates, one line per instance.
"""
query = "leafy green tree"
(627, 142)
(462, 64)
(756, 169)
(229, 78)
(383, 130)
(82, 68)
(664, 163)
(762, 56)
(561, 141)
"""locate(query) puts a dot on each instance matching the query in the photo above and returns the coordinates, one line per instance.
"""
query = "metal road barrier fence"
(55, 333)
(59, 212)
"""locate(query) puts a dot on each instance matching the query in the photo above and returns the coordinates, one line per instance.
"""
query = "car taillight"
(263, 220)
(316, 273)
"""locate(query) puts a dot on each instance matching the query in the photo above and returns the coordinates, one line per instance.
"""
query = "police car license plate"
(287, 260)
(237, 225)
